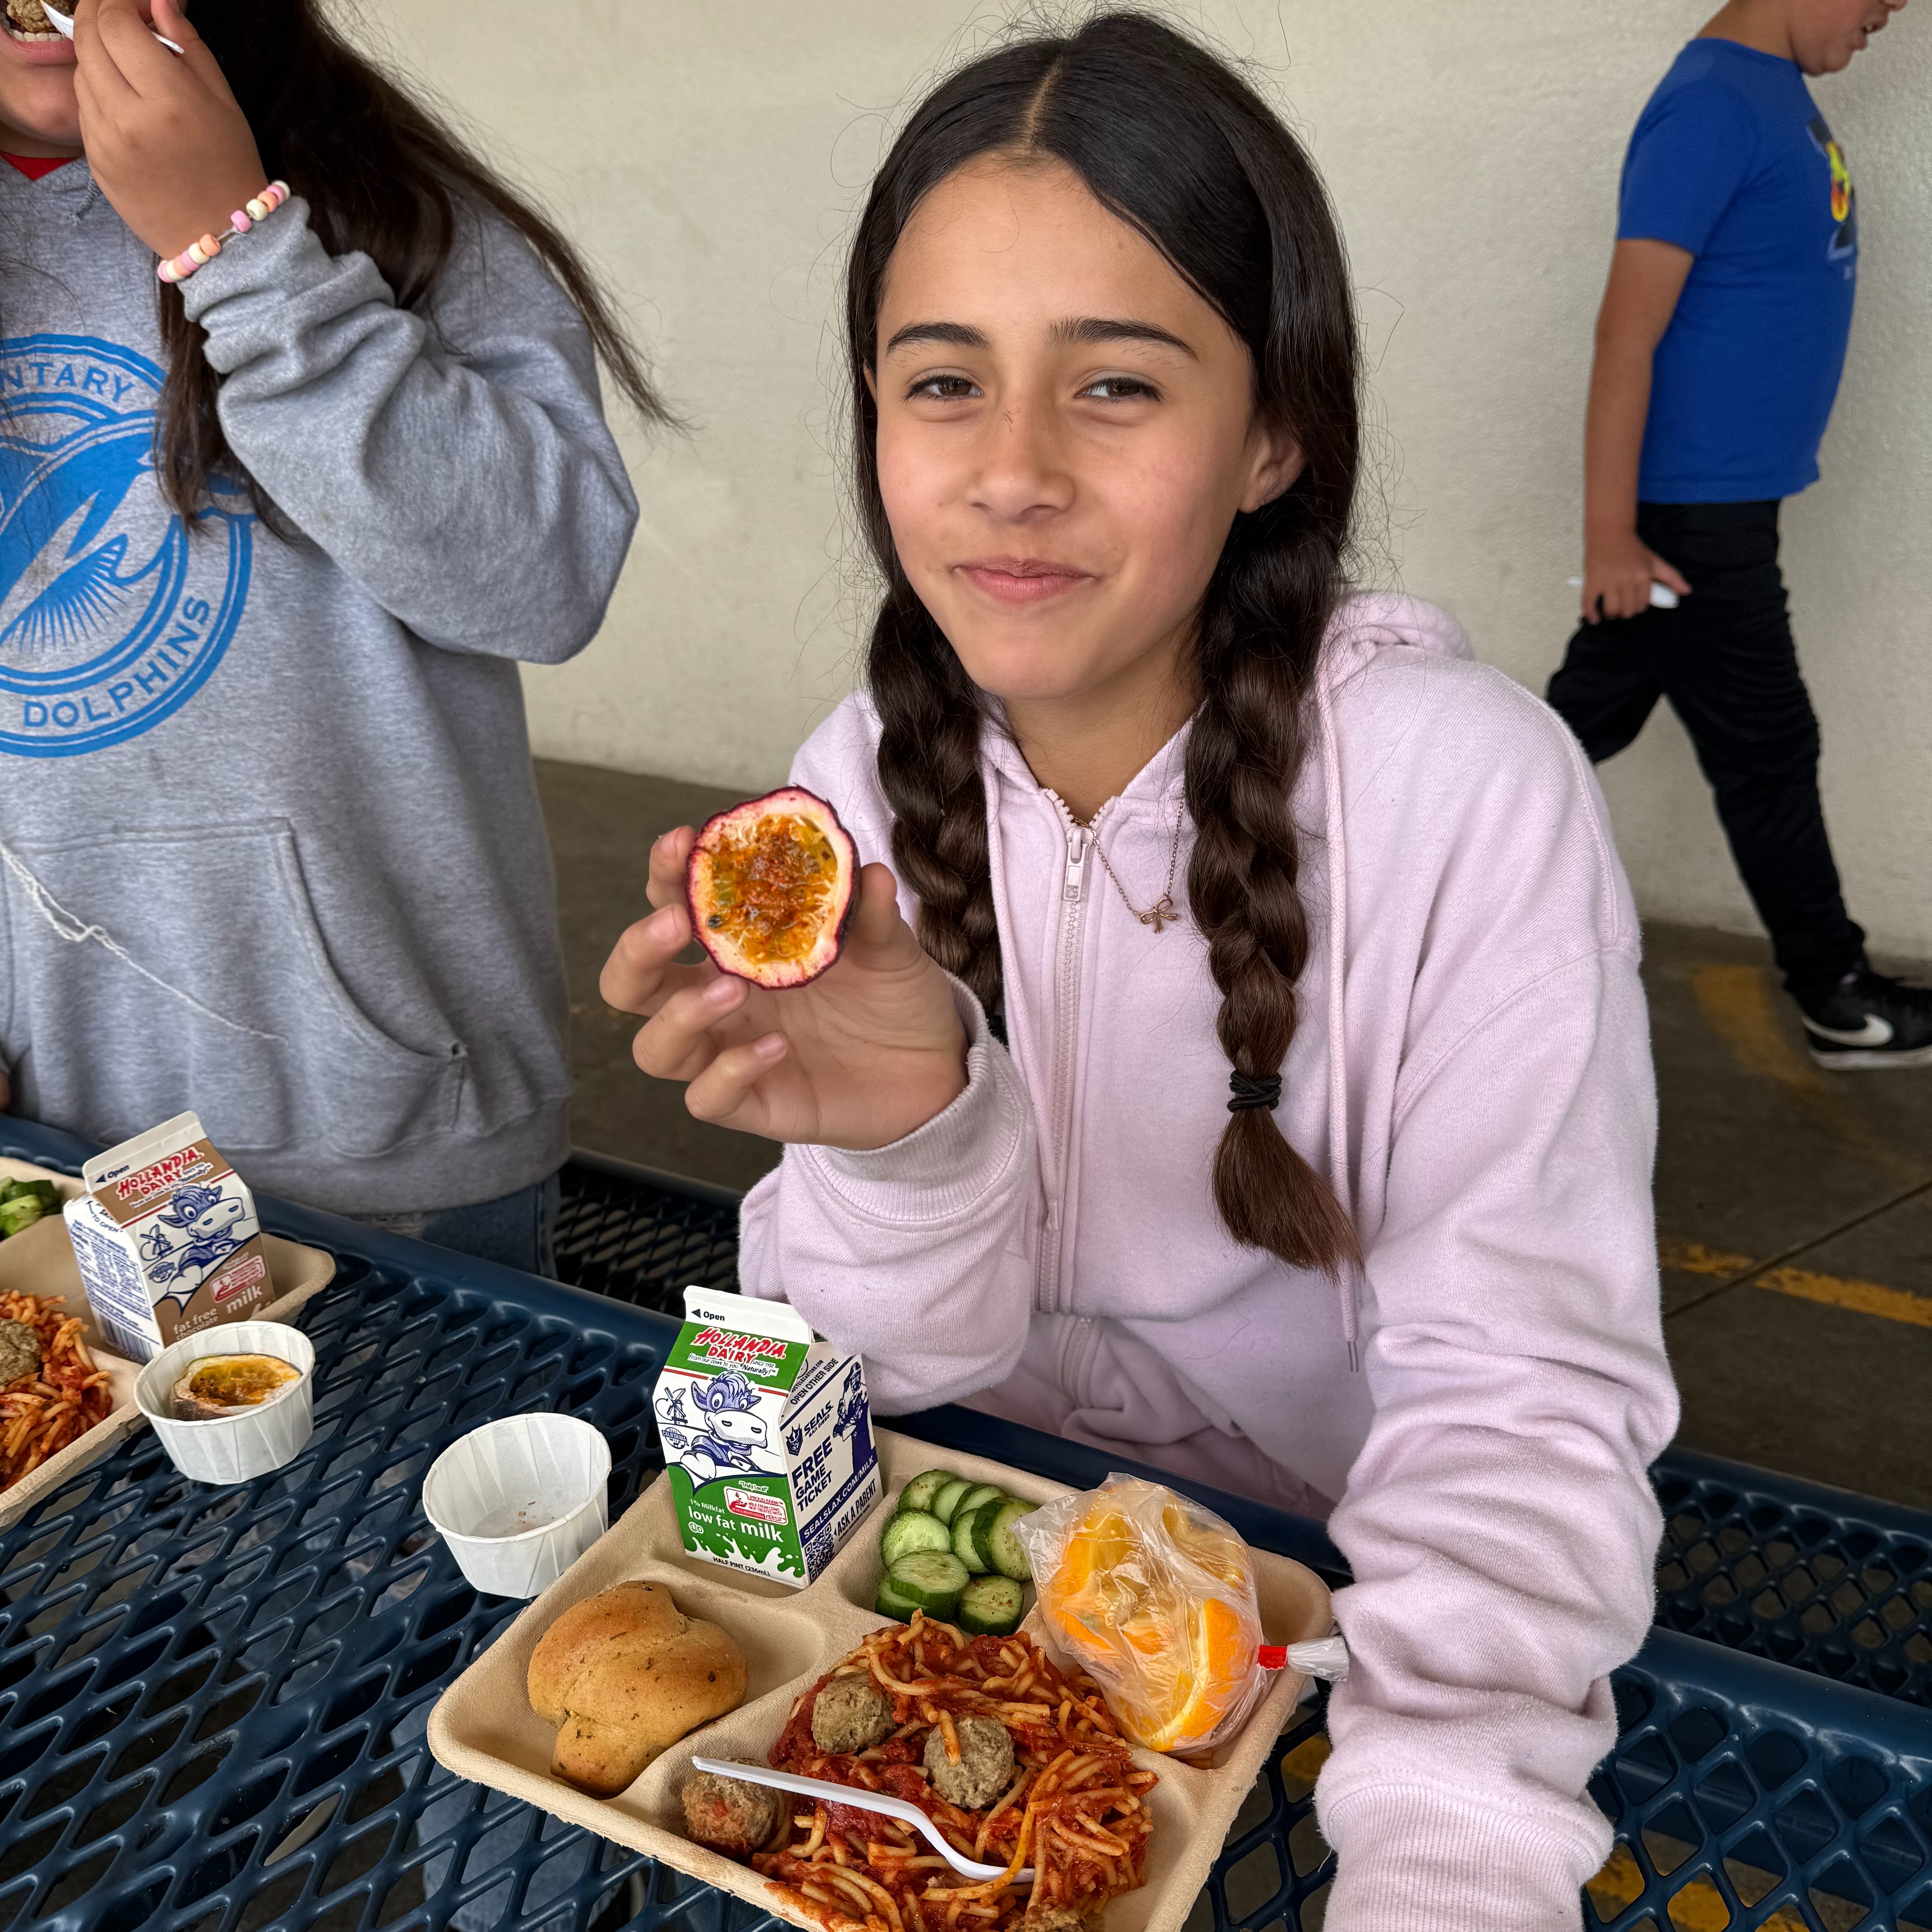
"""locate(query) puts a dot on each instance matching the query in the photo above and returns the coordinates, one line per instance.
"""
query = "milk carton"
(767, 1438)
(166, 1240)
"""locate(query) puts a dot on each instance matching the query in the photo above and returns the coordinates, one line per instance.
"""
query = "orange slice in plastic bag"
(1157, 1600)
(1221, 1659)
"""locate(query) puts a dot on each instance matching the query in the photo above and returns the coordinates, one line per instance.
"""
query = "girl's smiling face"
(1066, 433)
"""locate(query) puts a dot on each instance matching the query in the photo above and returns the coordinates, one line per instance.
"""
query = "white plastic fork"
(62, 24)
(900, 1808)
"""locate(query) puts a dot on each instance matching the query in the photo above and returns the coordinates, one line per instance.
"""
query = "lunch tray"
(212, 1703)
(484, 1727)
(1815, 1577)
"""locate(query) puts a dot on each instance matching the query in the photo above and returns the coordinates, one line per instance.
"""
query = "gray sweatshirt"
(272, 849)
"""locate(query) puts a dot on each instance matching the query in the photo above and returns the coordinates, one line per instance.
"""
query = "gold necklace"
(1161, 912)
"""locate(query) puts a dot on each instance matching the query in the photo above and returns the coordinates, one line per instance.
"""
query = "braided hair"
(1176, 145)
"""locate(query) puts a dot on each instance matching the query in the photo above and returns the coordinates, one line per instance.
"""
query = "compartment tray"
(483, 1728)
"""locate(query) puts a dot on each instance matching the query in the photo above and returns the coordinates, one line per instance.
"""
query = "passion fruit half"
(769, 885)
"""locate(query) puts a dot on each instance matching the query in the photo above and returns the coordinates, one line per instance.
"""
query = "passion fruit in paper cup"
(217, 1386)
(770, 885)
(244, 1438)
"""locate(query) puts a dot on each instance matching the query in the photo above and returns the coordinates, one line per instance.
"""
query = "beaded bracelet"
(198, 254)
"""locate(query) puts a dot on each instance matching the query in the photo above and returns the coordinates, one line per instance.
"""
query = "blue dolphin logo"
(114, 610)
(91, 476)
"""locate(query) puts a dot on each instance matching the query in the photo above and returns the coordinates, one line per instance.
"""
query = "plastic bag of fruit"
(1153, 1596)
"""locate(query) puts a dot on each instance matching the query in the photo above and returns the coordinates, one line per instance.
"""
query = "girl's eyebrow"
(1091, 330)
(1086, 330)
(959, 335)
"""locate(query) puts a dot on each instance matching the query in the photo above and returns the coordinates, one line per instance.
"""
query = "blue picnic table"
(212, 1701)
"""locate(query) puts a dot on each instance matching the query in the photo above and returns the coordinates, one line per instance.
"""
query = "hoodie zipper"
(1065, 1032)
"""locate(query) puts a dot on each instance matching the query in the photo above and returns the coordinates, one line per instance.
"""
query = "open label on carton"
(767, 1438)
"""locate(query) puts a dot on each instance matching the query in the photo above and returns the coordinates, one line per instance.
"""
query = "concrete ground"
(1794, 1207)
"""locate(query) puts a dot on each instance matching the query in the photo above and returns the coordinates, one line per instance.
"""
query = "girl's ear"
(872, 388)
(1274, 462)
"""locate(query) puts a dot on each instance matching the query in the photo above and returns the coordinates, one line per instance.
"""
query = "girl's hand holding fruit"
(858, 1057)
(169, 146)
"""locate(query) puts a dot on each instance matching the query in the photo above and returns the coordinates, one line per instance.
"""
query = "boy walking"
(1719, 349)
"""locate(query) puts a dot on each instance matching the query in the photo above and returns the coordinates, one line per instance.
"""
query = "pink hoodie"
(1472, 1070)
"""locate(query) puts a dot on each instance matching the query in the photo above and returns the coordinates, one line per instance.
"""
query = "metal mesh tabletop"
(212, 1701)
(1832, 1582)
(642, 1237)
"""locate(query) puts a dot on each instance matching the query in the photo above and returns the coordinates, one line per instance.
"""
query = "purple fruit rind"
(780, 978)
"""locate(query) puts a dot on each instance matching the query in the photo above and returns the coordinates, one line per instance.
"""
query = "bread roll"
(623, 1675)
(581, 1635)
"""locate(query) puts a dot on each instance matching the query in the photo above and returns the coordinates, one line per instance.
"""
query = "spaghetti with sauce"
(1076, 1809)
(50, 1406)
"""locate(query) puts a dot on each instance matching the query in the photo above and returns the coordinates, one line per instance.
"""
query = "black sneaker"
(1870, 1021)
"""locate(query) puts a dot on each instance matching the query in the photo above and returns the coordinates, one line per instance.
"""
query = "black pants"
(1726, 660)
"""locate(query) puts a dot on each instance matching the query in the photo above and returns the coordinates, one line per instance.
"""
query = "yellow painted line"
(1829, 1291)
(1864, 1298)
(1693, 1258)
(1700, 1907)
(1738, 1006)
(1742, 1007)
(1619, 1885)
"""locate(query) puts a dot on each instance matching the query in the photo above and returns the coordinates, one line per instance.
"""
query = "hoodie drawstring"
(1338, 1042)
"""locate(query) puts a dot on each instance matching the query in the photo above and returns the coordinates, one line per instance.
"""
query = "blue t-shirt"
(1732, 160)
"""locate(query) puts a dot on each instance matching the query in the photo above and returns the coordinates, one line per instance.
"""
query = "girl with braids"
(1242, 1064)
(275, 529)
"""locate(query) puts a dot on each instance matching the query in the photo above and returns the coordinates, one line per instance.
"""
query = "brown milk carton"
(166, 1239)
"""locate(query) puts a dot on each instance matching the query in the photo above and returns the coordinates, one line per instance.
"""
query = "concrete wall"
(711, 156)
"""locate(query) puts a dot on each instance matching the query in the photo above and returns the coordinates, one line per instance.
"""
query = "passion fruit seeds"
(770, 886)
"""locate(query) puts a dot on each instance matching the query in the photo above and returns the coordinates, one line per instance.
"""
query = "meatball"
(1045, 1918)
(851, 1713)
(20, 1351)
(729, 1815)
(986, 1766)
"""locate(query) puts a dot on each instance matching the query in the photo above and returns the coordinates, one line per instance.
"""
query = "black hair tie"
(1255, 1093)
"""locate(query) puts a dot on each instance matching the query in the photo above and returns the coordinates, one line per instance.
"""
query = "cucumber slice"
(981, 1493)
(984, 1515)
(1004, 1552)
(966, 1543)
(890, 1603)
(930, 1579)
(991, 1606)
(921, 1490)
(947, 1499)
(910, 1530)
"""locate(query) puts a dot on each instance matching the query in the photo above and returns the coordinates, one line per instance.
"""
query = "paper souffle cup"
(252, 1441)
(519, 1501)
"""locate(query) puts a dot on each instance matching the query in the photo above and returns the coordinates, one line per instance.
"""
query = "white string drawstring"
(77, 932)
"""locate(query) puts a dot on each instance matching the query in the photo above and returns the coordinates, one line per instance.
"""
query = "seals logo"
(111, 616)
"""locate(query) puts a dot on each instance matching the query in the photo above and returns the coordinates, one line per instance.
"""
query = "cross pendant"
(1161, 913)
